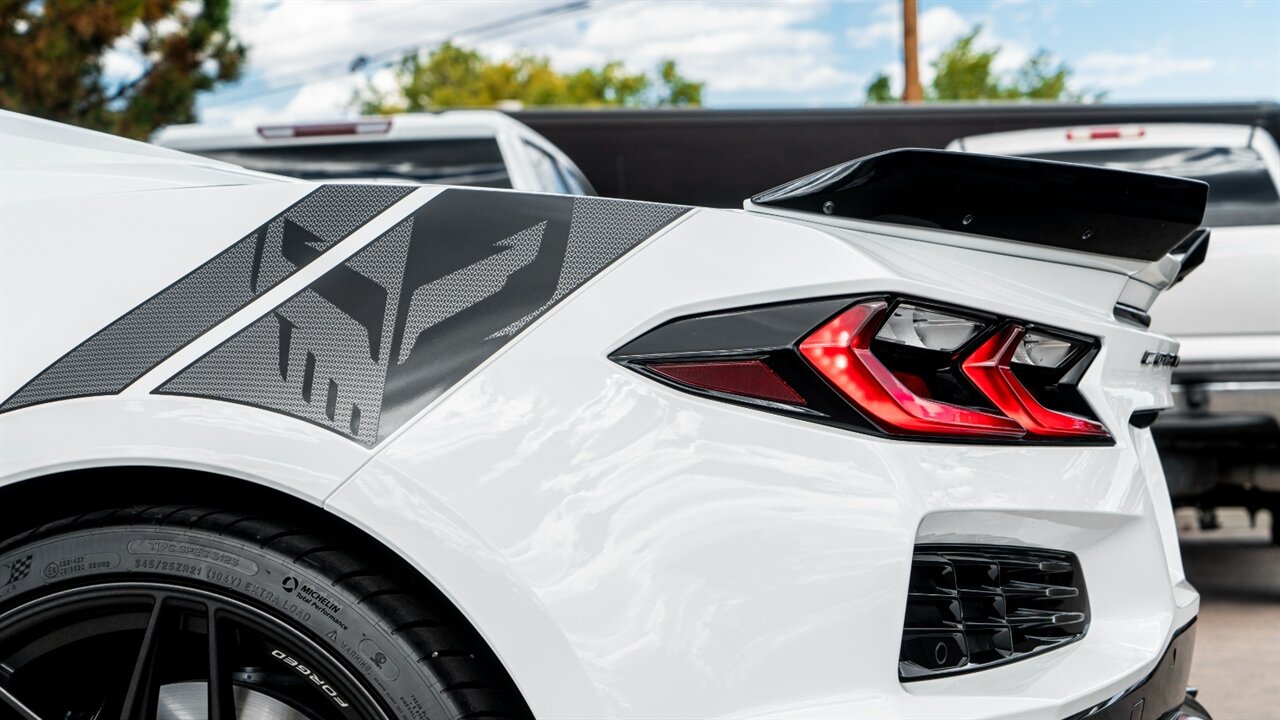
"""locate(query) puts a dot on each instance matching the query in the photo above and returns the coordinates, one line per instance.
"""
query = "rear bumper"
(1162, 694)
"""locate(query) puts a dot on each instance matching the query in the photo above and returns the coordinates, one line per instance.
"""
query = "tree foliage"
(451, 76)
(966, 72)
(879, 91)
(54, 57)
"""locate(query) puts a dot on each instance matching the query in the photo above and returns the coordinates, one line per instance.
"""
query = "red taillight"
(841, 352)
(989, 370)
(887, 366)
(748, 378)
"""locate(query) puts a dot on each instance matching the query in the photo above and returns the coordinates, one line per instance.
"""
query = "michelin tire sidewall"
(299, 596)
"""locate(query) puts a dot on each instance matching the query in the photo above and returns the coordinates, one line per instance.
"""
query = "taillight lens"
(896, 367)
(989, 368)
(747, 378)
(926, 328)
(841, 351)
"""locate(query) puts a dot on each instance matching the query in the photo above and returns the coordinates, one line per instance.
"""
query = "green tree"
(878, 91)
(1038, 79)
(53, 54)
(677, 90)
(964, 72)
(453, 76)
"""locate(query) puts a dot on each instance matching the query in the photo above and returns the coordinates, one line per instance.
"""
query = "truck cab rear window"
(1241, 191)
(476, 162)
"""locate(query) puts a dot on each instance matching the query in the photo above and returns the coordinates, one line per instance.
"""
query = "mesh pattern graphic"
(442, 299)
(601, 231)
(332, 375)
(323, 355)
(126, 349)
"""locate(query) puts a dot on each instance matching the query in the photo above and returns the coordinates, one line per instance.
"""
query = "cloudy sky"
(779, 53)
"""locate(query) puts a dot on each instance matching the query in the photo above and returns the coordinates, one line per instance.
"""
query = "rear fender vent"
(970, 607)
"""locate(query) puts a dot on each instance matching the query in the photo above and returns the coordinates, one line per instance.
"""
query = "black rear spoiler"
(1062, 205)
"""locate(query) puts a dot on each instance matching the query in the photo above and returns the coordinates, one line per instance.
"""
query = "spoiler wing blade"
(1082, 208)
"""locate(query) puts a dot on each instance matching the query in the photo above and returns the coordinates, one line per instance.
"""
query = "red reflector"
(988, 368)
(841, 352)
(748, 378)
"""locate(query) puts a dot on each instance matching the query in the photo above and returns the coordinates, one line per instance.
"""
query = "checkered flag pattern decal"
(15, 569)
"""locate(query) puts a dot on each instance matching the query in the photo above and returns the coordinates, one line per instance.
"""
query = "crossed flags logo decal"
(14, 569)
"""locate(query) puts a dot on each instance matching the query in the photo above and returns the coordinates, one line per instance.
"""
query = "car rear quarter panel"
(632, 551)
(70, 266)
(77, 266)
(687, 558)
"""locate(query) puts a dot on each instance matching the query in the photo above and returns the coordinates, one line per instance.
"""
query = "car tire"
(281, 602)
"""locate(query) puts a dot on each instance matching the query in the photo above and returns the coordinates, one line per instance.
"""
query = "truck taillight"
(1127, 132)
(375, 126)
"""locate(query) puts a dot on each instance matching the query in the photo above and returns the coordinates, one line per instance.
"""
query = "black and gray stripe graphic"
(373, 341)
(135, 343)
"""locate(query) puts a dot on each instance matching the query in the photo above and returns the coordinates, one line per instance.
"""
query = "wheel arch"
(41, 498)
(517, 631)
(33, 502)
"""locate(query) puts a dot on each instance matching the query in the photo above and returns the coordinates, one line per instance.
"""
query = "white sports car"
(876, 446)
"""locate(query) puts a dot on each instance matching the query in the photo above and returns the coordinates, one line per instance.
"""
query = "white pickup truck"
(483, 148)
(1221, 445)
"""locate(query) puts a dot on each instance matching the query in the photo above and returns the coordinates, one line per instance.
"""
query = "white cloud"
(732, 46)
(300, 51)
(324, 98)
(939, 27)
(1113, 70)
(238, 114)
(885, 27)
(121, 65)
(124, 61)
(295, 36)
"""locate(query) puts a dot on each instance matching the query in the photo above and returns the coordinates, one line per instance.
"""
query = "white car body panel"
(88, 249)
(627, 549)
(59, 161)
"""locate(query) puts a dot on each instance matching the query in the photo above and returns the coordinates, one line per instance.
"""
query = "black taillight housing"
(888, 365)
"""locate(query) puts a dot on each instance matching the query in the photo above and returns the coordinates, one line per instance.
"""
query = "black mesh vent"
(973, 606)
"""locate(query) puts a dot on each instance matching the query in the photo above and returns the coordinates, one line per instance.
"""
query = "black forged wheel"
(173, 613)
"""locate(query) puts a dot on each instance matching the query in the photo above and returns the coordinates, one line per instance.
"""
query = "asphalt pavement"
(1236, 664)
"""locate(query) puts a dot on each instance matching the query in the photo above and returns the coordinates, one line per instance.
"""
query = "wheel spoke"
(140, 699)
(222, 705)
(8, 700)
(160, 628)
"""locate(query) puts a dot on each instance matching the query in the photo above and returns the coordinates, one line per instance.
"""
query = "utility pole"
(911, 92)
